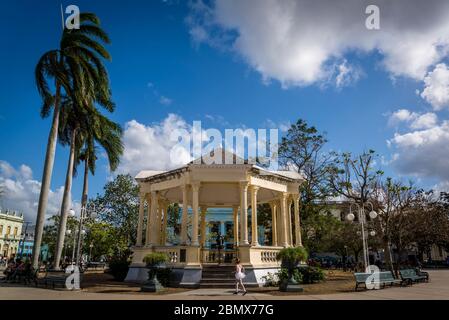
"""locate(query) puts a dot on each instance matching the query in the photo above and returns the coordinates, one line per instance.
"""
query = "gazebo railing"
(218, 256)
(266, 254)
(173, 253)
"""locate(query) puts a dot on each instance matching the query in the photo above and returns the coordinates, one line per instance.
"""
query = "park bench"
(410, 276)
(95, 265)
(385, 278)
(53, 279)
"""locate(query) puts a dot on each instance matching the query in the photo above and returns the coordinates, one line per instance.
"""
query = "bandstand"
(200, 186)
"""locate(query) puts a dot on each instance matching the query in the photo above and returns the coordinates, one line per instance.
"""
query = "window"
(16, 229)
(1, 229)
(8, 230)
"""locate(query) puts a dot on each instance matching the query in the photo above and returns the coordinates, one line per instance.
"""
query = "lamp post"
(91, 245)
(68, 232)
(83, 215)
(362, 220)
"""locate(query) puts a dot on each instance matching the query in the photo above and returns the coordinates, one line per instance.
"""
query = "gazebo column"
(274, 227)
(235, 213)
(298, 241)
(141, 216)
(254, 231)
(289, 225)
(244, 213)
(184, 217)
(279, 222)
(154, 224)
(195, 203)
(284, 219)
(148, 230)
(159, 223)
(203, 226)
(164, 224)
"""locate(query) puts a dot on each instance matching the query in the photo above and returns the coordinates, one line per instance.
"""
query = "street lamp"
(85, 212)
(91, 245)
(362, 220)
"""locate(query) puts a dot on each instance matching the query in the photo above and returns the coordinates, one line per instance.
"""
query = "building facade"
(11, 224)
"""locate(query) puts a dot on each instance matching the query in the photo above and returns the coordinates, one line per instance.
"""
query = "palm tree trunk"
(46, 179)
(65, 202)
(83, 206)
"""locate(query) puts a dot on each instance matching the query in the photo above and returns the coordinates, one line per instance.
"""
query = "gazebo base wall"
(186, 267)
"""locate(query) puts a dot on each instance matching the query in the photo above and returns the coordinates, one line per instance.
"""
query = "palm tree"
(81, 125)
(76, 64)
(108, 134)
(74, 118)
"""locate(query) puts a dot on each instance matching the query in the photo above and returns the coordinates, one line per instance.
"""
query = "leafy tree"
(302, 150)
(354, 177)
(102, 237)
(173, 215)
(391, 199)
(425, 223)
(119, 207)
(50, 233)
(320, 232)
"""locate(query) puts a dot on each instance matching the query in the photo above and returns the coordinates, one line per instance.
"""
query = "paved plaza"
(437, 288)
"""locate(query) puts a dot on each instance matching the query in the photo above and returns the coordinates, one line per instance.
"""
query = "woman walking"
(239, 275)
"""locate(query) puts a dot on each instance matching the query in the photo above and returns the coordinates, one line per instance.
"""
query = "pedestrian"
(239, 276)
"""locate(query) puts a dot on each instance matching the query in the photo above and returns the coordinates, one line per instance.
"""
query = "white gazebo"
(208, 183)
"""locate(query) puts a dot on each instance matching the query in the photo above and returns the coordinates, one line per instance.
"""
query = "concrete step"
(217, 280)
(214, 276)
(218, 269)
(217, 285)
(218, 274)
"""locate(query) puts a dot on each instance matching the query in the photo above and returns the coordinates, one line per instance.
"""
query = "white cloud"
(401, 115)
(21, 192)
(436, 87)
(346, 74)
(300, 42)
(156, 147)
(148, 147)
(424, 121)
(413, 119)
(423, 153)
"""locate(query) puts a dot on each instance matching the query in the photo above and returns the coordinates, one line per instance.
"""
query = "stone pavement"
(437, 288)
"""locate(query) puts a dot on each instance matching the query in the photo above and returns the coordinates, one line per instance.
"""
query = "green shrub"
(311, 274)
(290, 257)
(155, 258)
(118, 267)
(283, 275)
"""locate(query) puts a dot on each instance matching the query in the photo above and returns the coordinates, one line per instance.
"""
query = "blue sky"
(159, 68)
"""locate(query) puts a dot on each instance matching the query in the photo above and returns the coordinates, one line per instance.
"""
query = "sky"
(238, 64)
